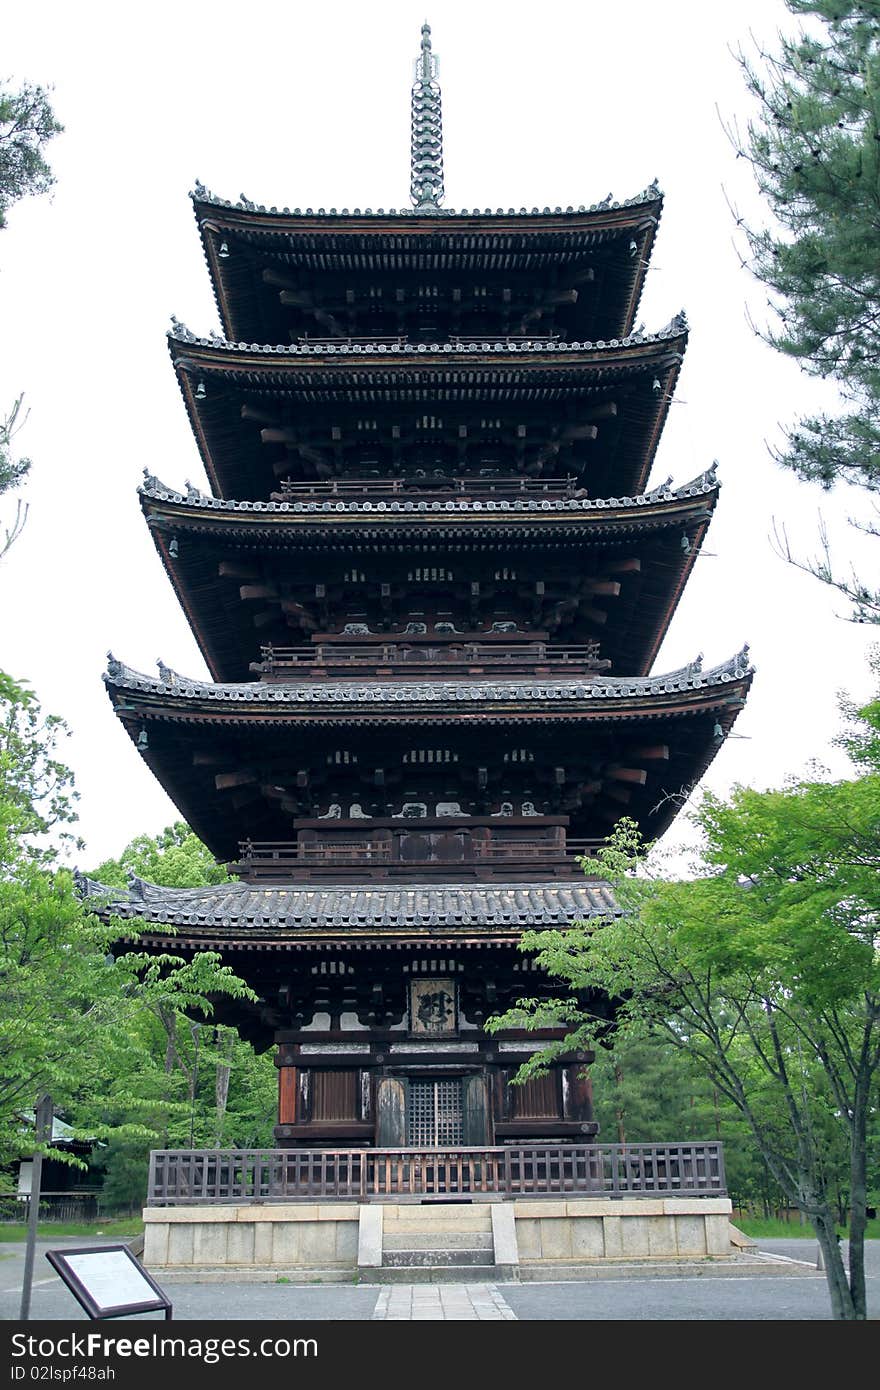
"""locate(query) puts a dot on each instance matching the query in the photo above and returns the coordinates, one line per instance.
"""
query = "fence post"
(615, 1169)
(722, 1176)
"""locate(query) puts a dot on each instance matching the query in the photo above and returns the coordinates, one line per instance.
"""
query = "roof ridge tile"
(201, 194)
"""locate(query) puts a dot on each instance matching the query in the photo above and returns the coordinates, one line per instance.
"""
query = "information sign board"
(109, 1281)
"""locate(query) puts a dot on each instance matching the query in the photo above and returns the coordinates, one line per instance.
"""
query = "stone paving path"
(439, 1302)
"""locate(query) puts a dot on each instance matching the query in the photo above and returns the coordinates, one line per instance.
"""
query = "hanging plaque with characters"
(432, 1007)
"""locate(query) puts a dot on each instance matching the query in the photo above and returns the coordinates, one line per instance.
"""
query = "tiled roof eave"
(493, 696)
(366, 912)
(309, 531)
(244, 211)
(400, 512)
(463, 354)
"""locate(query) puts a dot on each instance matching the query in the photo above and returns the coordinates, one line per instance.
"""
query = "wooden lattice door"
(434, 1114)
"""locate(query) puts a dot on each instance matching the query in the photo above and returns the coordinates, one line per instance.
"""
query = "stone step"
(441, 1223)
(413, 1259)
(436, 1274)
(440, 1229)
(437, 1240)
(413, 1211)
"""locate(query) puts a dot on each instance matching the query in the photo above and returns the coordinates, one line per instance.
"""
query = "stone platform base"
(644, 1228)
(282, 1237)
(541, 1238)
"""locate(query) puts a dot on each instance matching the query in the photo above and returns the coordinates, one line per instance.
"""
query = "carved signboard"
(432, 1007)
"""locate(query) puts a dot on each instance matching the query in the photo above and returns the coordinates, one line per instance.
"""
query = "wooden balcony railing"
(383, 850)
(449, 658)
(277, 860)
(370, 340)
(199, 1176)
(428, 486)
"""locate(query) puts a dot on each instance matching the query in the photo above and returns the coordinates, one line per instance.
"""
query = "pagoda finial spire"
(426, 163)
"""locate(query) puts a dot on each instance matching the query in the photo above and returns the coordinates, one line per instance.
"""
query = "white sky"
(303, 104)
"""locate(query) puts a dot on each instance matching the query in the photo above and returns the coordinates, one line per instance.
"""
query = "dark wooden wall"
(369, 1106)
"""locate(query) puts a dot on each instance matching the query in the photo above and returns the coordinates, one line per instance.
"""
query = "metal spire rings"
(426, 164)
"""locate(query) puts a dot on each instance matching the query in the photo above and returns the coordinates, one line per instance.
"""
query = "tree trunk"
(765, 1189)
(619, 1110)
(858, 1196)
(193, 1074)
(193, 1080)
(169, 1023)
(842, 1308)
(221, 1082)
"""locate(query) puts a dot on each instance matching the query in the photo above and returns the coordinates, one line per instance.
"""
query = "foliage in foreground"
(762, 972)
(27, 124)
(815, 150)
(209, 1087)
(175, 858)
(123, 1040)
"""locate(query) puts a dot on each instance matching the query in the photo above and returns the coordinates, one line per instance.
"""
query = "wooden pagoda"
(430, 585)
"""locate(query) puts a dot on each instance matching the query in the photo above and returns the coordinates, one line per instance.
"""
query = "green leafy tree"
(159, 1087)
(815, 151)
(37, 795)
(763, 971)
(27, 124)
(647, 1093)
(199, 1083)
(101, 1030)
(58, 1002)
(13, 472)
(241, 1117)
(57, 995)
(176, 858)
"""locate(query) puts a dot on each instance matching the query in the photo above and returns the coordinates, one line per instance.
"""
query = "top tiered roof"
(370, 343)
(278, 272)
(426, 271)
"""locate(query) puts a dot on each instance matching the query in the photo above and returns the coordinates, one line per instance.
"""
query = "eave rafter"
(310, 248)
(544, 407)
(259, 752)
(560, 564)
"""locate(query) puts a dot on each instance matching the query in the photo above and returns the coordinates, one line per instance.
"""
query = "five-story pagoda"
(429, 585)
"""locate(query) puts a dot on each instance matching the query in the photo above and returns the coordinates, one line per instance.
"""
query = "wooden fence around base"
(182, 1177)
